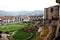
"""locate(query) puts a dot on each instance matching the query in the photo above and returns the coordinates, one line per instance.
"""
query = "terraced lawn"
(12, 27)
(22, 35)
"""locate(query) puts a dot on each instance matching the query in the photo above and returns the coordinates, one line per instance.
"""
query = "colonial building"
(7, 19)
(18, 19)
(36, 17)
(1, 22)
(25, 18)
(21, 18)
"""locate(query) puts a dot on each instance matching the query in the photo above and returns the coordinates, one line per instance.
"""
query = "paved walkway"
(4, 37)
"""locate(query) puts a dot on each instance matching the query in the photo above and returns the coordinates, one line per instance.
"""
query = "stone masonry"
(52, 20)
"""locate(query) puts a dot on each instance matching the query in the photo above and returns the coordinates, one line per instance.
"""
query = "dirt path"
(4, 37)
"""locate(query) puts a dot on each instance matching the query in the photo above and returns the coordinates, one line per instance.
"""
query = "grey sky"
(30, 5)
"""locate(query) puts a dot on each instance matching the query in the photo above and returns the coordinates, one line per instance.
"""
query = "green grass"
(21, 35)
(12, 27)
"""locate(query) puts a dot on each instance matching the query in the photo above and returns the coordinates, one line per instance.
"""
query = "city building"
(7, 19)
(21, 18)
(25, 18)
(36, 17)
(1, 22)
(18, 19)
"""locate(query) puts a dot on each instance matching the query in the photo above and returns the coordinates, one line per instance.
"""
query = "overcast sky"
(28, 5)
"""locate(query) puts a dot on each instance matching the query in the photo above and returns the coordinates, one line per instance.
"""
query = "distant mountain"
(17, 13)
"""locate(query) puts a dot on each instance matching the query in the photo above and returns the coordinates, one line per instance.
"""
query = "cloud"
(16, 5)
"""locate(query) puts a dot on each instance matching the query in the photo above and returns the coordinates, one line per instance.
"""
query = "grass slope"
(12, 27)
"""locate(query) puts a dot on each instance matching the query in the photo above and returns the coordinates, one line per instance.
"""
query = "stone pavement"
(4, 37)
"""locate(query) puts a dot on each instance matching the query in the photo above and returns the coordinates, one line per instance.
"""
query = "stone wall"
(52, 12)
(58, 1)
(52, 21)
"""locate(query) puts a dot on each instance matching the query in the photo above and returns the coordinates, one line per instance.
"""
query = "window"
(59, 29)
(49, 21)
(55, 18)
(51, 10)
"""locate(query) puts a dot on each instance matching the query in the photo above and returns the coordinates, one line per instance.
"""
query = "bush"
(41, 35)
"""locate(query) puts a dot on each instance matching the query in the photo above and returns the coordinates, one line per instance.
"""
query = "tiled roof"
(6, 17)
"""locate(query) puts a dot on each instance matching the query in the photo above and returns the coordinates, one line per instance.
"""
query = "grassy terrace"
(25, 33)
(12, 27)
(20, 31)
(20, 35)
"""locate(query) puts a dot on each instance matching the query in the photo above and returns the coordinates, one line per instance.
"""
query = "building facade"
(52, 19)
(52, 13)
(36, 17)
(1, 22)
